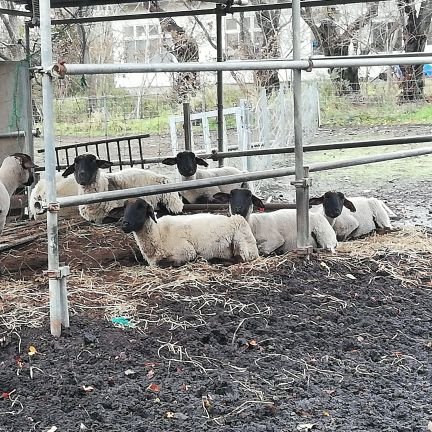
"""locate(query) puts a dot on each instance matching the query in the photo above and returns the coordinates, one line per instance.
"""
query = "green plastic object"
(121, 321)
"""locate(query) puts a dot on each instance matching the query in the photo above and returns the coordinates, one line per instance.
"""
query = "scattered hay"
(137, 292)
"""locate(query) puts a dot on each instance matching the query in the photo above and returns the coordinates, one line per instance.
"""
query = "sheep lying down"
(87, 170)
(354, 217)
(175, 240)
(277, 231)
(187, 164)
(38, 198)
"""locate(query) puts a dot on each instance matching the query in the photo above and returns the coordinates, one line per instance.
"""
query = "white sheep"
(187, 164)
(353, 217)
(277, 231)
(87, 171)
(64, 187)
(15, 171)
(175, 240)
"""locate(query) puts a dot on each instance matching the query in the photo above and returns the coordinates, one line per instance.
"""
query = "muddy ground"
(334, 343)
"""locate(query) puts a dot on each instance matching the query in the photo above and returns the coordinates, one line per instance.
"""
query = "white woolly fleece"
(179, 239)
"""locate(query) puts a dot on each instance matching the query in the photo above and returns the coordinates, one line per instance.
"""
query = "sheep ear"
(349, 205)
(257, 202)
(221, 198)
(29, 164)
(316, 200)
(201, 162)
(69, 170)
(103, 163)
(170, 161)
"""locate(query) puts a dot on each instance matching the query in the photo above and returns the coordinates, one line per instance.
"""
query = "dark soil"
(313, 349)
(329, 344)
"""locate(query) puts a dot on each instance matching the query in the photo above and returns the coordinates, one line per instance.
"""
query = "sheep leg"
(269, 245)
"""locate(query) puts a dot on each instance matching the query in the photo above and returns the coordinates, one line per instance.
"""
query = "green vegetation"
(122, 113)
(377, 104)
(413, 168)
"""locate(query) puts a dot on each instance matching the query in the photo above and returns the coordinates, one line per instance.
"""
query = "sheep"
(277, 231)
(187, 164)
(64, 187)
(367, 214)
(87, 171)
(175, 240)
(15, 171)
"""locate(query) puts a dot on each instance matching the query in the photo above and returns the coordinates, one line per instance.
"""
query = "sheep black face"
(136, 212)
(27, 166)
(333, 203)
(85, 168)
(241, 201)
(187, 163)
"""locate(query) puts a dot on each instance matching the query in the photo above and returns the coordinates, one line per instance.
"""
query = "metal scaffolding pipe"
(215, 155)
(187, 126)
(219, 83)
(121, 68)
(201, 12)
(215, 207)
(301, 183)
(56, 290)
(238, 178)
(18, 134)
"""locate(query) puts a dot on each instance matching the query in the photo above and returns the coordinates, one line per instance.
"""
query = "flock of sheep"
(173, 239)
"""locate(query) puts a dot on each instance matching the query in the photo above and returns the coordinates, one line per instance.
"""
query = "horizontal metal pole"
(15, 12)
(20, 134)
(200, 12)
(215, 155)
(102, 141)
(127, 17)
(79, 69)
(214, 207)
(238, 178)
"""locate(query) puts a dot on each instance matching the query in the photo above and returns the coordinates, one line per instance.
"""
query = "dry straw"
(152, 296)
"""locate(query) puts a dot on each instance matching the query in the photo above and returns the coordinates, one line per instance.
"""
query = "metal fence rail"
(106, 149)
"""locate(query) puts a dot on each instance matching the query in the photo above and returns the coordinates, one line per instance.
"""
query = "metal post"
(27, 42)
(219, 58)
(57, 300)
(187, 127)
(301, 184)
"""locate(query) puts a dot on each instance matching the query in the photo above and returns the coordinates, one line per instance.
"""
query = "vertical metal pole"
(187, 127)
(50, 165)
(220, 103)
(300, 183)
(27, 42)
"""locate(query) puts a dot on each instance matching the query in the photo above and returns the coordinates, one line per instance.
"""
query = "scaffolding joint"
(53, 207)
(311, 65)
(302, 183)
(58, 70)
(304, 251)
(59, 274)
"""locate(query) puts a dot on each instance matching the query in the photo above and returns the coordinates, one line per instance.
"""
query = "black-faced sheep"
(353, 217)
(64, 187)
(175, 240)
(277, 231)
(87, 171)
(15, 171)
(187, 164)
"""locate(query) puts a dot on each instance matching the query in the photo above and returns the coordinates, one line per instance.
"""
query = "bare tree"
(11, 47)
(416, 29)
(184, 48)
(335, 41)
(269, 23)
